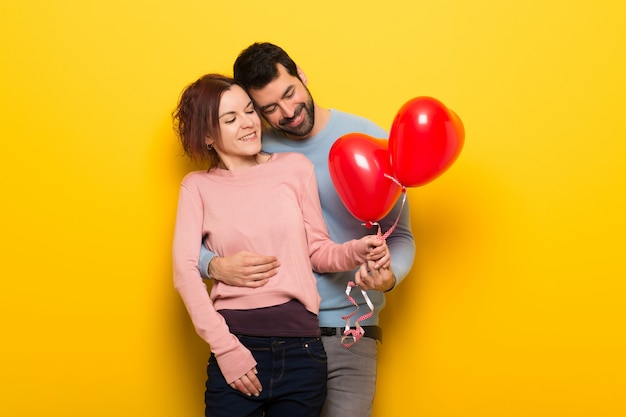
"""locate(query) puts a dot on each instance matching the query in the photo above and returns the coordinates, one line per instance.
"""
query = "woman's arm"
(233, 358)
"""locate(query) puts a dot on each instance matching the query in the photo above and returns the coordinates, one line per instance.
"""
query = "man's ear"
(302, 75)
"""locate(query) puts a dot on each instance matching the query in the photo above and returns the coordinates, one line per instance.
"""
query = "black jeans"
(292, 371)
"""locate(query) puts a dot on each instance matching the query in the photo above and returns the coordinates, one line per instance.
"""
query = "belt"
(375, 332)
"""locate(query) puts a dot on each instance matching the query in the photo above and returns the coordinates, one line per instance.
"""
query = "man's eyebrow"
(288, 90)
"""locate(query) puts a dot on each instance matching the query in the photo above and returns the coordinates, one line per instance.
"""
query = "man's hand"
(248, 384)
(368, 277)
(244, 269)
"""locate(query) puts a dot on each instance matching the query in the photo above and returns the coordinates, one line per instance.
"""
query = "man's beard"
(305, 127)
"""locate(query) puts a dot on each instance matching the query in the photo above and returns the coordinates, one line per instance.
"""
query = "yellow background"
(515, 305)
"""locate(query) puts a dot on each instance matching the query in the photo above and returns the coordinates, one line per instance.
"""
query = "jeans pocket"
(315, 349)
(365, 347)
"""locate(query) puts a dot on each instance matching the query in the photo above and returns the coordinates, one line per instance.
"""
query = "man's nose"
(286, 110)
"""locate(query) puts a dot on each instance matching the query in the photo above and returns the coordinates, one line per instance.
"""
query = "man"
(278, 88)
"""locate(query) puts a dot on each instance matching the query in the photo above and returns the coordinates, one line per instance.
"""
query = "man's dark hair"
(255, 67)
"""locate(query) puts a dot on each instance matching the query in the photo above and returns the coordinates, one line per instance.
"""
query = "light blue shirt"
(342, 226)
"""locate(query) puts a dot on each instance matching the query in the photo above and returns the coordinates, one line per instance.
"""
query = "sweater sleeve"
(326, 255)
(233, 358)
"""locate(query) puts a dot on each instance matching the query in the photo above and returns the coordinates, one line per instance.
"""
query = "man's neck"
(322, 116)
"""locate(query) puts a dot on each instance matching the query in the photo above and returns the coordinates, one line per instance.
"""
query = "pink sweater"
(270, 209)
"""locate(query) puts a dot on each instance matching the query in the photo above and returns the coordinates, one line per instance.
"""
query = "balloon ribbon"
(395, 223)
(351, 336)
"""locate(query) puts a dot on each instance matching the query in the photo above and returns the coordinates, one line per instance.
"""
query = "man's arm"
(243, 269)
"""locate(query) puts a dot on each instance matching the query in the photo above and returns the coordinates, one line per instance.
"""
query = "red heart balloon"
(424, 140)
(358, 164)
(458, 125)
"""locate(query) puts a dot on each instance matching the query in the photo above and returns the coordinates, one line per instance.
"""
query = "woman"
(266, 353)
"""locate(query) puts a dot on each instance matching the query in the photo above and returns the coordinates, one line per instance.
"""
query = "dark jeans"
(292, 371)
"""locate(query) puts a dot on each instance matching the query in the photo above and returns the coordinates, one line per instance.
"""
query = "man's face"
(286, 104)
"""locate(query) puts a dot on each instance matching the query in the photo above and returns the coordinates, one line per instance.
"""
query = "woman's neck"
(247, 162)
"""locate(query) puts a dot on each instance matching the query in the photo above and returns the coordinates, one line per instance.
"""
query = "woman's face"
(240, 129)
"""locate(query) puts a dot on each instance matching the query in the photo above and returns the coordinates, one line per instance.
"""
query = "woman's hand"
(378, 252)
(248, 384)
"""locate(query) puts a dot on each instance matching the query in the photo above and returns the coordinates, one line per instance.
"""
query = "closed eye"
(270, 109)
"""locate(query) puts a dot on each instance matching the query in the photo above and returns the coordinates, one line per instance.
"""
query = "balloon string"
(394, 179)
(395, 223)
(351, 336)
(392, 228)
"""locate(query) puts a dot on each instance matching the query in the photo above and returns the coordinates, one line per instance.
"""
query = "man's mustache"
(296, 114)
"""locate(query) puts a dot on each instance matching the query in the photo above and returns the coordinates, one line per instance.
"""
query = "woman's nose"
(247, 121)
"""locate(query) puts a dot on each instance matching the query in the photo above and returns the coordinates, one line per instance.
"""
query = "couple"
(259, 214)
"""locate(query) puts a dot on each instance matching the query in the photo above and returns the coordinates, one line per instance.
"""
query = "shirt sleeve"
(206, 256)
